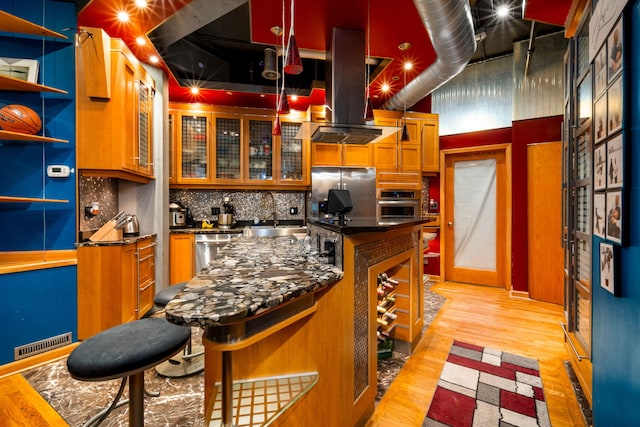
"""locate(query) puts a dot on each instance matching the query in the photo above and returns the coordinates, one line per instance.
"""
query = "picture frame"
(601, 70)
(615, 218)
(615, 57)
(599, 214)
(600, 119)
(614, 107)
(609, 270)
(600, 167)
(22, 69)
(615, 162)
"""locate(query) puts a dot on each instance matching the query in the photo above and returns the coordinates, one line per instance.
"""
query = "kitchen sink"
(270, 231)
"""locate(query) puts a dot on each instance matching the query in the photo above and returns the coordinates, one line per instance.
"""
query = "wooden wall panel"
(544, 182)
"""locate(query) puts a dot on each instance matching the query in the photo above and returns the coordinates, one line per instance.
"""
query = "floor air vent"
(41, 346)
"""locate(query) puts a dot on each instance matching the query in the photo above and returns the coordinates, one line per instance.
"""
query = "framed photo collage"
(608, 154)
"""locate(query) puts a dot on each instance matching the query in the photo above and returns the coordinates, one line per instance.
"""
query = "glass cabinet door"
(228, 148)
(194, 148)
(260, 150)
(291, 167)
(145, 109)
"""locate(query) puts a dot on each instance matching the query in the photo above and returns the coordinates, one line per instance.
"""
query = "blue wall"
(42, 303)
(616, 320)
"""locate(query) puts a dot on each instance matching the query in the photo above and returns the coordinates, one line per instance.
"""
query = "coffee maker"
(226, 219)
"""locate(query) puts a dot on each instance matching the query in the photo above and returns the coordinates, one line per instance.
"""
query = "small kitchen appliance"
(132, 227)
(178, 215)
(226, 219)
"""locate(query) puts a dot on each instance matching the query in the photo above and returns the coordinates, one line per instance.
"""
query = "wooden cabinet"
(115, 106)
(324, 154)
(234, 148)
(430, 136)
(192, 147)
(116, 284)
(182, 261)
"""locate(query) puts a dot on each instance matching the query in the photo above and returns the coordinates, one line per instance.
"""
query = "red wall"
(521, 134)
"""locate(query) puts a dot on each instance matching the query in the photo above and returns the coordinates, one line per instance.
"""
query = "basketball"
(18, 118)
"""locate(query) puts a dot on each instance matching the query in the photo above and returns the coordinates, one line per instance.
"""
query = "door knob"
(450, 223)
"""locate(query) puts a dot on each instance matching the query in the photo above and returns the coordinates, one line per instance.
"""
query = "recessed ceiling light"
(123, 16)
(408, 65)
(141, 41)
(384, 87)
(154, 59)
(195, 90)
(141, 3)
(502, 11)
(294, 97)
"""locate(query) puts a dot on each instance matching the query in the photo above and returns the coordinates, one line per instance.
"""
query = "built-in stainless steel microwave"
(398, 204)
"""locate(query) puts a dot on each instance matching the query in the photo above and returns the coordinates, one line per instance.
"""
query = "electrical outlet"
(293, 210)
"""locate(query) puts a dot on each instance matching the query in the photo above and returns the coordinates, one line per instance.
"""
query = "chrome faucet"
(273, 204)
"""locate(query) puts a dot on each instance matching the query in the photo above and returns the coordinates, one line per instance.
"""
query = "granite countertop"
(124, 241)
(365, 225)
(250, 275)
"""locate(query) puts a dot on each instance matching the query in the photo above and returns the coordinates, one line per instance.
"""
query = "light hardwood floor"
(487, 317)
(475, 314)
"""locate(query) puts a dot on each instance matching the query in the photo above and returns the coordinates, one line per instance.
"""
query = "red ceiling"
(391, 24)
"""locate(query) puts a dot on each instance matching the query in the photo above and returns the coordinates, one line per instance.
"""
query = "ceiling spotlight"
(408, 66)
(141, 3)
(154, 59)
(123, 16)
(502, 11)
(195, 90)
(141, 41)
(384, 87)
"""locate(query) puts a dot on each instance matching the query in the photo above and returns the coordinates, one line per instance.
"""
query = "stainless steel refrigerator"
(361, 183)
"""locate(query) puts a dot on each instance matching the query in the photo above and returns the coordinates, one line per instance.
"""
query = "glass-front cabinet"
(191, 147)
(261, 154)
(232, 148)
(228, 149)
(292, 155)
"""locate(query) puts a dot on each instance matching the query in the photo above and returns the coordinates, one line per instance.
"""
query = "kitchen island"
(284, 328)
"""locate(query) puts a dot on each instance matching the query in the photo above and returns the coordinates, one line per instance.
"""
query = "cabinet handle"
(147, 247)
(146, 258)
(450, 223)
(153, 282)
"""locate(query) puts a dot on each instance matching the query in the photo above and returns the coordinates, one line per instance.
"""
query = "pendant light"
(277, 130)
(368, 109)
(405, 132)
(292, 61)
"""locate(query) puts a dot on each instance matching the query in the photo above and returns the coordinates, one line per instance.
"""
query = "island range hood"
(345, 94)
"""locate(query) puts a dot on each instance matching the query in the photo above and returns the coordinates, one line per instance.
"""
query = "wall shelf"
(14, 24)
(6, 135)
(12, 199)
(11, 83)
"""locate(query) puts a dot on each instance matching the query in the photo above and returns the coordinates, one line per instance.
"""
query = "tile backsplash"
(249, 205)
(104, 191)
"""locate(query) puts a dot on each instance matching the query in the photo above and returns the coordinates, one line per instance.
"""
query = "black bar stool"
(126, 351)
(191, 361)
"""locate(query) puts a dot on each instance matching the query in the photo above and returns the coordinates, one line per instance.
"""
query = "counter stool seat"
(126, 351)
(191, 361)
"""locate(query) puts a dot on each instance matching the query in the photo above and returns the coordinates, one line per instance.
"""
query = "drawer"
(146, 293)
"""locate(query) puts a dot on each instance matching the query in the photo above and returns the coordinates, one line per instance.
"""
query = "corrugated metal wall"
(492, 94)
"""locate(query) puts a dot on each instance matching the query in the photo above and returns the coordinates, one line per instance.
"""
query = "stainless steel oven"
(398, 204)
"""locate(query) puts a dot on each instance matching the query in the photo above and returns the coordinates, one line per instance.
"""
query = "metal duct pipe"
(450, 28)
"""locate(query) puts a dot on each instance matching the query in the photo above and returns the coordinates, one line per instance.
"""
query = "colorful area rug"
(483, 387)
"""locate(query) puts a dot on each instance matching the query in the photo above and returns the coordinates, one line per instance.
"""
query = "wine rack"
(386, 314)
